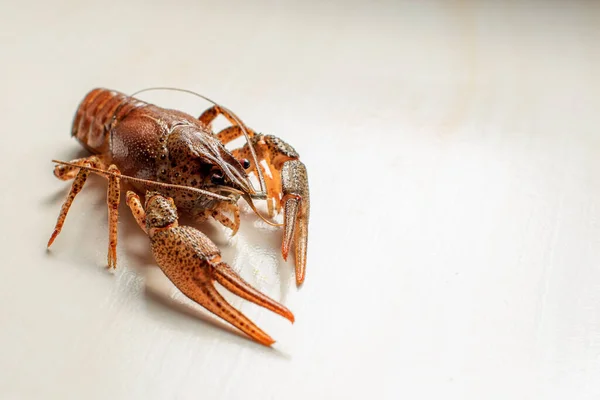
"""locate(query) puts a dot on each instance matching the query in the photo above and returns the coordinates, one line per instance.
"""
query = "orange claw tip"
(285, 248)
(284, 253)
(284, 312)
(54, 234)
(300, 264)
(288, 315)
(299, 280)
(263, 339)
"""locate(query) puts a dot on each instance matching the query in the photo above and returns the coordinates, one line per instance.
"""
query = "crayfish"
(178, 163)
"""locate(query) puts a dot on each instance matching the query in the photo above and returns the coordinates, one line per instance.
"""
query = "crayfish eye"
(217, 178)
(245, 163)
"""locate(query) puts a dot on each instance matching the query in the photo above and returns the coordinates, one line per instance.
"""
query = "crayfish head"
(160, 211)
(214, 167)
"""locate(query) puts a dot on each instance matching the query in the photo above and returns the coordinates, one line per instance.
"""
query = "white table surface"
(453, 152)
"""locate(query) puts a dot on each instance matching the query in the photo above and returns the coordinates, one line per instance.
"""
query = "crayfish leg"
(76, 187)
(220, 214)
(65, 172)
(135, 204)
(113, 198)
(210, 114)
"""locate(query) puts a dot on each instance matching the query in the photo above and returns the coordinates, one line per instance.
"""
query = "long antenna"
(147, 182)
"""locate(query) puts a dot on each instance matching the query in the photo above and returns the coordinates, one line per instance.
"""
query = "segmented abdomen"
(95, 115)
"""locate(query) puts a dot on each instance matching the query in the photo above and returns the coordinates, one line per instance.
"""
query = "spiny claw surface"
(193, 262)
(286, 187)
(296, 205)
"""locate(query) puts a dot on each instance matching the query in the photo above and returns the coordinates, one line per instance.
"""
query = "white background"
(452, 149)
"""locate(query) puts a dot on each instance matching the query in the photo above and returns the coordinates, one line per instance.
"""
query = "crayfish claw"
(193, 263)
(208, 297)
(296, 205)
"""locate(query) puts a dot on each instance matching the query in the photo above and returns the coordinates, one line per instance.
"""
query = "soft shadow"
(58, 196)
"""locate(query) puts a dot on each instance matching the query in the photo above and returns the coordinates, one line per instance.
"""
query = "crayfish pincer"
(193, 263)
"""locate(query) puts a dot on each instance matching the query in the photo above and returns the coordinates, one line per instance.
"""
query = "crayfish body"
(178, 157)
